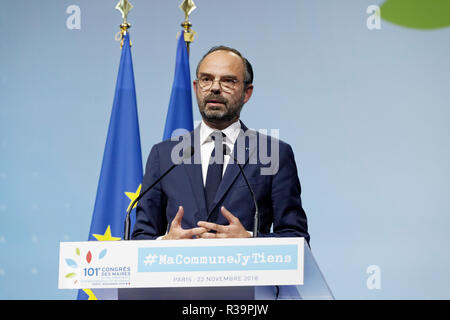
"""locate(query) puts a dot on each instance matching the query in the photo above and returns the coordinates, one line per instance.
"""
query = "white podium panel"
(181, 263)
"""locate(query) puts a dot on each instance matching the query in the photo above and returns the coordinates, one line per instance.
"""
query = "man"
(209, 198)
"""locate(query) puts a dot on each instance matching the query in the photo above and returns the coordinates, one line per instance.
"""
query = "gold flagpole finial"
(188, 6)
(124, 6)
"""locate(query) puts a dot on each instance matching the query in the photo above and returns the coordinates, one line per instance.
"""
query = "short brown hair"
(248, 70)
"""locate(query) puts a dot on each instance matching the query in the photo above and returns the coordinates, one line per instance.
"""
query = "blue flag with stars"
(121, 172)
(179, 117)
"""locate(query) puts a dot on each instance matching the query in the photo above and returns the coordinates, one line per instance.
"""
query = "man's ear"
(194, 83)
(248, 92)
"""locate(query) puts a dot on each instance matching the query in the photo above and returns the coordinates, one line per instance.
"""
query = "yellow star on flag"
(91, 295)
(107, 236)
(133, 196)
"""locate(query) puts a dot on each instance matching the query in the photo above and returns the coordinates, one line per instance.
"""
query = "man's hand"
(234, 230)
(176, 232)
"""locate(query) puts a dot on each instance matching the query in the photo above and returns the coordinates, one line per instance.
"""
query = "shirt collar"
(231, 132)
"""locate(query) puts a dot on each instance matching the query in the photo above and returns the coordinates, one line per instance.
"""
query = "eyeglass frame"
(228, 90)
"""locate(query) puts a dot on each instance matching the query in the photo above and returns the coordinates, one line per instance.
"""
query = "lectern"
(201, 269)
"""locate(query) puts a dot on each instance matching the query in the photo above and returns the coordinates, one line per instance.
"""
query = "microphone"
(227, 151)
(187, 153)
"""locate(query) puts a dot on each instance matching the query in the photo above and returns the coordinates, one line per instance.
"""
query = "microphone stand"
(226, 151)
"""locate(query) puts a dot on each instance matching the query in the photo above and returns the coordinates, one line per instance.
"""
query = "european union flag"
(121, 172)
(179, 114)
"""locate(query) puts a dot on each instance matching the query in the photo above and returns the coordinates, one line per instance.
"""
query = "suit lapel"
(194, 172)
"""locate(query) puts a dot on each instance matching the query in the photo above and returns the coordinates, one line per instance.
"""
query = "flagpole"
(121, 172)
(187, 6)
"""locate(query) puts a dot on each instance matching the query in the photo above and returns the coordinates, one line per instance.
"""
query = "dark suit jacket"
(277, 194)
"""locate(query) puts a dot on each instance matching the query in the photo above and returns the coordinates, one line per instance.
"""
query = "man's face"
(215, 104)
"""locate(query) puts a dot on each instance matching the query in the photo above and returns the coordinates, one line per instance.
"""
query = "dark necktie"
(215, 168)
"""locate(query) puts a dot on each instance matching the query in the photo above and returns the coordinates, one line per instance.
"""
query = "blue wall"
(366, 112)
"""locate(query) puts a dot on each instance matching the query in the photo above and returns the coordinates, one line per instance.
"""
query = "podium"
(203, 269)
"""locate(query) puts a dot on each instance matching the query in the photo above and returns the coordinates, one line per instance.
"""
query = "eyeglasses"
(227, 84)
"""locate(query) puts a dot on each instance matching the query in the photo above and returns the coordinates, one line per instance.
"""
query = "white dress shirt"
(207, 144)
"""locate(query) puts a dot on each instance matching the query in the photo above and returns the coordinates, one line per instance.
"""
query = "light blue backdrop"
(366, 112)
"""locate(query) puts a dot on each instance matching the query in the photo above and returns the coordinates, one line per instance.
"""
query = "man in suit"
(207, 196)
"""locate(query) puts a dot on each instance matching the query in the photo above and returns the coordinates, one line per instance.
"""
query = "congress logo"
(80, 259)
